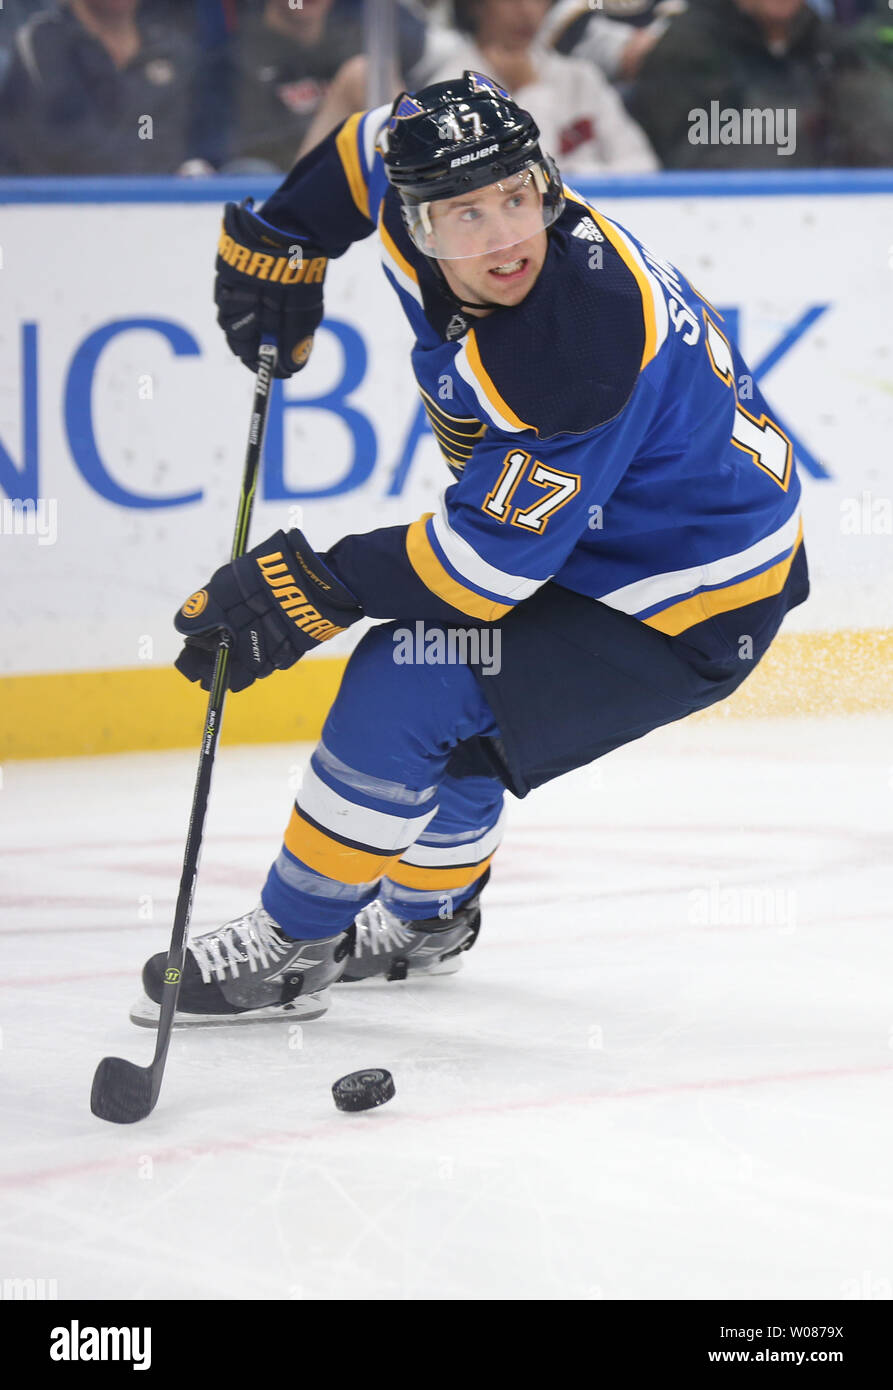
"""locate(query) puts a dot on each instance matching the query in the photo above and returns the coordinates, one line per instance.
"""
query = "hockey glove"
(269, 285)
(277, 602)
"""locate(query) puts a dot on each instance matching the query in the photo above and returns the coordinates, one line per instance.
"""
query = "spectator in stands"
(771, 58)
(582, 119)
(92, 89)
(872, 35)
(615, 36)
(12, 14)
(284, 59)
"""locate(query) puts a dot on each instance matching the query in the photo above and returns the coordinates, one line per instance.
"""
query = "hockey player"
(623, 509)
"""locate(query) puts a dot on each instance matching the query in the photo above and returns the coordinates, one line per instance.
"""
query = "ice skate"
(247, 971)
(390, 948)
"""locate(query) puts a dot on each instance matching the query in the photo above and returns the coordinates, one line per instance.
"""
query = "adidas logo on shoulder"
(587, 230)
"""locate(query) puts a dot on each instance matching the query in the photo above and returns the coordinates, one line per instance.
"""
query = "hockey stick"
(123, 1092)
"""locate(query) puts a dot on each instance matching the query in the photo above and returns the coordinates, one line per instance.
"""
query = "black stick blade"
(122, 1091)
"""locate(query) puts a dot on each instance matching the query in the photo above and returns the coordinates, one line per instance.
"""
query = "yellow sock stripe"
(348, 147)
(473, 353)
(696, 609)
(433, 575)
(411, 876)
(330, 857)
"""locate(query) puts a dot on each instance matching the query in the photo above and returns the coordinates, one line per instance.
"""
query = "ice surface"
(665, 1071)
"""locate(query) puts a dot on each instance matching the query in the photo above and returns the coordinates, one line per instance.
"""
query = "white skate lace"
(378, 931)
(251, 940)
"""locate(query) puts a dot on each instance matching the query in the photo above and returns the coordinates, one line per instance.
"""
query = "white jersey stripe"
(372, 124)
(404, 282)
(463, 367)
(467, 563)
(660, 588)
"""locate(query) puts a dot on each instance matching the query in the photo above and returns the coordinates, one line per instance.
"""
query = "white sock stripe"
(427, 856)
(378, 787)
(428, 837)
(413, 897)
(353, 821)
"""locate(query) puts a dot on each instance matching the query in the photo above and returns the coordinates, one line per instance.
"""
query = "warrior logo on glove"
(195, 604)
(269, 287)
(277, 602)
(284, 270)
(292, 600)
(301, 351)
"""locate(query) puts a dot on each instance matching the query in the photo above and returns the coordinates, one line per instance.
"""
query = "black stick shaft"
(177, 952)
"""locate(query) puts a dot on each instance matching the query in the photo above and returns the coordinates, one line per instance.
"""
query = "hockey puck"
(363, 1090)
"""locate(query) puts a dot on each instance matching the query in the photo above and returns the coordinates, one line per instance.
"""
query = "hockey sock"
(442, 868)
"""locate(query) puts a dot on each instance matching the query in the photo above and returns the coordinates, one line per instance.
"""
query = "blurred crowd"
(244, 86)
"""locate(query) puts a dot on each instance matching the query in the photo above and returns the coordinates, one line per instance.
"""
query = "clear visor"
(489, 219)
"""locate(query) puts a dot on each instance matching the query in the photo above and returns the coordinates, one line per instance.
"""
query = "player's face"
(491, 244)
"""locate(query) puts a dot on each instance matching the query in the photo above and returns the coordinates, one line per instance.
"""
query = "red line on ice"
(185, 1151)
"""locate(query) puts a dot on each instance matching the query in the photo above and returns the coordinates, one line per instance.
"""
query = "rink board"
(123, 421)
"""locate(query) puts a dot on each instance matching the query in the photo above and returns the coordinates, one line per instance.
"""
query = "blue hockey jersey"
(604, 433)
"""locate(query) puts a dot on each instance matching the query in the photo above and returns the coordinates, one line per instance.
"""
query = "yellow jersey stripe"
(643, 283)
(472, 352)
(330, 857)
(455, 419)
(454, 427)
(433, 575)
(347, 145)
(411, 876)
(699, 607)
(456, 441)
(394, 252)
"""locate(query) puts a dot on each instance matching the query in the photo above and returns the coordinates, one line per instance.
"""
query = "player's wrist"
(317, 573)
(269, 285)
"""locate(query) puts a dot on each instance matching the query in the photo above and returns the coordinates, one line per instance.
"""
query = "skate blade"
(443, 967)
(145, 1013)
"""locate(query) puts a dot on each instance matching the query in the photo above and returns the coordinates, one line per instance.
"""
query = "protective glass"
(489, 219)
